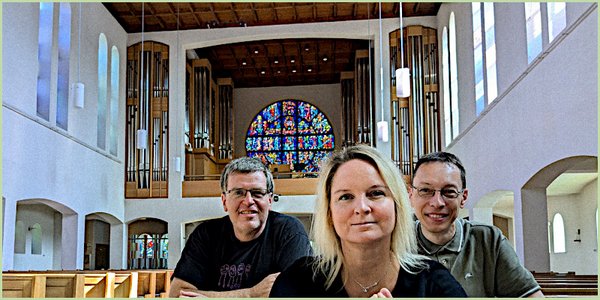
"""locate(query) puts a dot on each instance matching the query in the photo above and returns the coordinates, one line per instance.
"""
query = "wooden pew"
(86, 284)
(567, 284)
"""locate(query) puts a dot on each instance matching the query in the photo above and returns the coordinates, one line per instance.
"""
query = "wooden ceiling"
(267, 62)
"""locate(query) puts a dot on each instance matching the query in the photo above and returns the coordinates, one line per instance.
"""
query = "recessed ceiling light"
(309, 70)
(276, 61)
(255, 50)
(292, 60)
(244, 62)
(278, 71)
(325, 58)
(263, 72)
(294, 71)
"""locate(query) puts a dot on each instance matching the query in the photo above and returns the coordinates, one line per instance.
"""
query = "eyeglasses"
(256, 194)
(447, 194)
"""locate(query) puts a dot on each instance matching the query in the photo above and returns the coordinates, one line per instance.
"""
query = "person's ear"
(224, 201)
(463, 200)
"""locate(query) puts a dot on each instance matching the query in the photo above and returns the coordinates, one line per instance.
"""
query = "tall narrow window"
(20, 237)
(557, 19)
(64, 53)
(453, 74)
(478, 58)
(484, 47)
(36, 239)
(44, 59)
(446, 88)
(102, 90)
(490, 51)
(558, 234)
(114, 99)
(533, 24)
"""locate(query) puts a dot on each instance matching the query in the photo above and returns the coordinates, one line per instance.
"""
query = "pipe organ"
(209, 114)
(358, 103)
(147, 111)
(415, 129)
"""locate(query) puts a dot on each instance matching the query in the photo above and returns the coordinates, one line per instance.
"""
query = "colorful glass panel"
(290, 132)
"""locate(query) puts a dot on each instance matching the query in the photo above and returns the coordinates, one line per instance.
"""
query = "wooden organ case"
(146, 145)
(415, 127)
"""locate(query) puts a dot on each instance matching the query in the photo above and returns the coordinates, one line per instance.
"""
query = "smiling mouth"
(248, 212)
(436, 216)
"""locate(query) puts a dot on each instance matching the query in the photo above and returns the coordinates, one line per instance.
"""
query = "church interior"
(121, 117)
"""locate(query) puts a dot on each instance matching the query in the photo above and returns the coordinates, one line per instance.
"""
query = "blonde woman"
(364, 237)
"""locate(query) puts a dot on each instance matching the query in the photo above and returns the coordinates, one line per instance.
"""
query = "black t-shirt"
(298, 281)
(213, 259)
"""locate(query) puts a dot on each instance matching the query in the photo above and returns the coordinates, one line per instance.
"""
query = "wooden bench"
(154, 283)
(70, 284)
(568, 284)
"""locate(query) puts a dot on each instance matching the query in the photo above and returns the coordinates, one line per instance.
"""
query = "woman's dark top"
(298, 281)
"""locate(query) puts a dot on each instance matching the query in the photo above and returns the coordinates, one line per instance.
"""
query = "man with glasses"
(477, 254)
(241, 254)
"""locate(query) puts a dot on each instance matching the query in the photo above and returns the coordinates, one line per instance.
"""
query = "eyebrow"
(371, 187)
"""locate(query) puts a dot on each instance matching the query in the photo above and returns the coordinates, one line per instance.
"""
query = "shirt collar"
(453, 245)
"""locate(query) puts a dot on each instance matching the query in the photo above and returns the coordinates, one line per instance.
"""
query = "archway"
(103, 244)
(148, 244)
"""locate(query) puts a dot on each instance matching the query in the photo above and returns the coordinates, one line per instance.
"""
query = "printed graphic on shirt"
(232, 276)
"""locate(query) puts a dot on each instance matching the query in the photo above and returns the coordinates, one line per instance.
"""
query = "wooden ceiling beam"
(152, 13)
(212, 10)
(233, 10)
(254, 11)
(198, 21)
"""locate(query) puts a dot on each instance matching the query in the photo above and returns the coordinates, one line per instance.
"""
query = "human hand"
(263, 288)
(191, 294)
(383, 293)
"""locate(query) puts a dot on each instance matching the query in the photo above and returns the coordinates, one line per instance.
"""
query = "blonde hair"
(326, 241)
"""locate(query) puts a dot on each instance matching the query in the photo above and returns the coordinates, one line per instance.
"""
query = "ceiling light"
(263, 72)
(325, 58)
(309, 69)
(255, 50)
(276, 61)
(306, 48)
(294, 71)
(292, 60)
(278, 71)
(244, 62)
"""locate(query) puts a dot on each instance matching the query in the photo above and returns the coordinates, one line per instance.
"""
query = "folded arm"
(184, 289)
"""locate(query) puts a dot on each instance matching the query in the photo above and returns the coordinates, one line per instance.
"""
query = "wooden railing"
(86, 284)
(567, 284)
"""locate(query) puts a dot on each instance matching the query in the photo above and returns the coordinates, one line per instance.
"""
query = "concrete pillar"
(73, 237)
(118, 246)
(535, 229)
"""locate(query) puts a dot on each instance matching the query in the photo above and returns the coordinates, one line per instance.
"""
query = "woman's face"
(362, 208)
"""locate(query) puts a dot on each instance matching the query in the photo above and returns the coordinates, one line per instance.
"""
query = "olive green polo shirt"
(481, 260)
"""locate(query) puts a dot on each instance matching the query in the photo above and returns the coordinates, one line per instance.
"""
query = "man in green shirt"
(477, 254)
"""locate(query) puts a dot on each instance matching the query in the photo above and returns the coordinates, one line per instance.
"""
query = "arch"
(147, 238)
(535, 214)
(290, 132)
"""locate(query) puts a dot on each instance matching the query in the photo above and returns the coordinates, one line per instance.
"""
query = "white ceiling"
(570, 183)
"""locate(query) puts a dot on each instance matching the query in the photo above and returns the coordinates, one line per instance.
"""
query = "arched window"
(453, 74)
(446, 88)
(36, 239)
(558, 234)
(20, 237)
(64, 53)
(291, 132)
(102, 89)
(557, 19)
(114, 99)
(533, 24)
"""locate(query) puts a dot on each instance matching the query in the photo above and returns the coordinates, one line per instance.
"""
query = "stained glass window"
(290, 132)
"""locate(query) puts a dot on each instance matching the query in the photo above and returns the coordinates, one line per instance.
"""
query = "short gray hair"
(246, 165)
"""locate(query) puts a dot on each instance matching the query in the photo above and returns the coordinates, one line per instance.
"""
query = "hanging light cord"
(401, 39)
(381, 59)
(79, 46)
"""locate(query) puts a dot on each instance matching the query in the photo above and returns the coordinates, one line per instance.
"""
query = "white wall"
(547, 114)
(30, 215)
(39, 160)
(578, 212)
